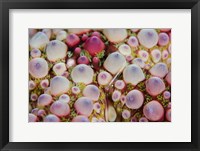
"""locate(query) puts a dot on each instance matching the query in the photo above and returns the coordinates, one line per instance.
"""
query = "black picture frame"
(6, 5)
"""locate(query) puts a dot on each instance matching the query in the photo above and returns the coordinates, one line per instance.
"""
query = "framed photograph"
(85, 75)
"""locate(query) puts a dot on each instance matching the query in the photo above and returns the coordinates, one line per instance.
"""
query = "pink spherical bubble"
(32, 118)
(155, 86)
(143, 119)
(159, 70)
(134, 119)
(84, 106)
(97, 34)
(156, 55)
(84, 37)
(33, 97)
(163, 39)
(92, 92)
(35, 111)
(64, 98)
(116, 95)
(168, 78)
(168, 115)
(115, 35)
(51, 118)
(165, 54)
(94, 45)
(123, 99)
(133, 41)
(39, 41)
(120, 84)
(44, 83)
(38, 68)
(41, 113)
(134, 99)
(166, 94)
(153, 111)
(104, 78)
(35, 53)
(97, 107)
(72, 40)
(126, 114)
(148, 37)
(144, 55)
(60, 109)
(31, 85)
(83, 60)
(80, 118)
(44, 100)
(139, 62)
(76, 90)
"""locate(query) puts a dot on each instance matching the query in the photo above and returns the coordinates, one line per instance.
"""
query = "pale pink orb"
(92, 92)
(134, 99)
(168, 78)
(64, 98)
(120, 84)
(153, 111)
(156, 55)
(48, 32)
(80, 118)
(148, 37)
(97, 107)
(144, 55)
(35, 111)
(168, 115)
(123, 99)
(133, 41)
(143, 119)
(166, 94)
(44, 83)
(76, 90)
(59, 68)
(33, 97)
(139, 62)
(39, 41)
(44, 100)
(60, 109)
(31, 85)
(51, 118)
(35, 53)
(115, 35)
(155, 86)
(104, 78)
(159, 70)
(41, 113)
(126, 114)
(163, 39)
(38, 67)
(32, 118)
(125, 49)
(165, 54)
(84, 106)
(116, 95)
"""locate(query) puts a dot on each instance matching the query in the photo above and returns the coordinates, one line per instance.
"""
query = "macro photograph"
(99, 75)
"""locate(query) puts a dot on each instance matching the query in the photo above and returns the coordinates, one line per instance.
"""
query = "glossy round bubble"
(165, 54)
(168, 115)
(133, 41)
(82, 73)
(92, 92)
(32, 118)
(72, 40)
(48, 32)
(31, 85)
(153, 111)
(115, 35)
(44, 83)
(35, 111)
(159, 70)
(163, 39)
(56, 50)
(78, 30)
(166, 94)
(59, 68)
(80, 118)
(61, 35)
(111, 114)
(124, 49)
(60, 109)
(33, 97)
(133, 74)
(51, 118)
(143, 119)
(114, 62)
(126, 114)
(119, 84)
(70, 62)
(155, 86)
(134, 119)
(148, 37)
(134, 99)
(76, 90)
(41, 113)
(84, 106)
(156, 55)
(59, 85)
(64, 98)
(168, 78)
(104, 78)
(139, 62)
(38, 67)
(35, 53)
(144, 55)
(97, 107)
(44, 100)
(116, 95)
(39, 41)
